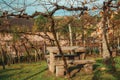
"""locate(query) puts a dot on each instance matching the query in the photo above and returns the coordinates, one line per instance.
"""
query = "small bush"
(117, 62)
(96, 50)
(107, 77)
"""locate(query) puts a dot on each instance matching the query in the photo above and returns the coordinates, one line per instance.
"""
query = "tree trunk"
(57, 36)
(36, 59)
(16, 51)
(37, 56)
(3, 62)
(3, 57)
(28, 54)
(44, 49)
(106, 52)
(83, 36)
(106, 49)
(118, 40)
(71, 36)
(8, 59)
(59, 47)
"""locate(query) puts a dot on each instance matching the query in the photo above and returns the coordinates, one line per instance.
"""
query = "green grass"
(39, 71)
(27, 71)
(35, 71)
(111, 72)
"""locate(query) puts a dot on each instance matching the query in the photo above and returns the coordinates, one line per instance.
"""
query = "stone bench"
(67, 56)
(60, 70)
(87, 66)
(53, 51)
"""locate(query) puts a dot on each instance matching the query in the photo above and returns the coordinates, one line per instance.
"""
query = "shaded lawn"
(35, 71)
(39, 71)
(108, 73)
(27, 71)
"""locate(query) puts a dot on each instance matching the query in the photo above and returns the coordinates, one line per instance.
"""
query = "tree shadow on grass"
(35, 74)
(99, 63)
(116, 74)
(6, 70)
(4, 75)
(74, 70)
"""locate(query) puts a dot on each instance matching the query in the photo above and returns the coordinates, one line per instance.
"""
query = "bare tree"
(106, 10)
(50, 8)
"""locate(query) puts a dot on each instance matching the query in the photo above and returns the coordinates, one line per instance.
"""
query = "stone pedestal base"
(76, 58)
(114, 54)
(82, 56)
(60, 70)
(88, 68)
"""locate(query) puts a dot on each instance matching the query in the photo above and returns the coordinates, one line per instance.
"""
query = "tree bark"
(83, 36)
(59, 47)
(70, 33)
(8, 59)
(28, 54)
(37, 55)
(106, 49)
(3, 57)
(106, 52)
(16, 51)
